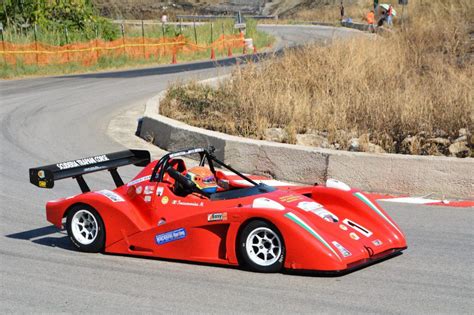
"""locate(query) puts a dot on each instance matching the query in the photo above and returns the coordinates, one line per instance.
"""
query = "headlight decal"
(293, 217)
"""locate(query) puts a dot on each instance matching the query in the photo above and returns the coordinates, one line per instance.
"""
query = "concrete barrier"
(357, 26)
(388, 173)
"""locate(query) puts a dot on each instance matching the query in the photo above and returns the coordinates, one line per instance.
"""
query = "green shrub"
(79, 17)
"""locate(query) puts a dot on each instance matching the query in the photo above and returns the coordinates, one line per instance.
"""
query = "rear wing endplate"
(45, 176)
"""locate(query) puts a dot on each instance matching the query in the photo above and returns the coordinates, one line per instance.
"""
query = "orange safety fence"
(88, 53)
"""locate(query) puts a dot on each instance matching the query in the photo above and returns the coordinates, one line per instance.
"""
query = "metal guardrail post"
(212, 32)
(3, 44)
(123, 37)
(143, 40)
(66, 33)
(36, 43)
(96, 41)
(195, 33)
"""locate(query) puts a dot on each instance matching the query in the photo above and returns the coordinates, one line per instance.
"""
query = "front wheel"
(85, 228)
(261, 247)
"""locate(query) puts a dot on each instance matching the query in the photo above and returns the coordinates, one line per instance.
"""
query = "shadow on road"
(28, 235)
(168, 69)
(40, 236)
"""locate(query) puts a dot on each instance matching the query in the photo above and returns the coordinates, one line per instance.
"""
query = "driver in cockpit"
(203, 178)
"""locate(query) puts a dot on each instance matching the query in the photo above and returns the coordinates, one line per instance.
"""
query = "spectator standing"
(342, 11)
(390, 16)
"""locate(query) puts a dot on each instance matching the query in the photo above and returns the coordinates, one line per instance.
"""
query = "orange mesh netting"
(88, 53)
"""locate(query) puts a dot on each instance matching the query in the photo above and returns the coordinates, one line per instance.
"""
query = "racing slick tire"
(261, 247)
(85, 228)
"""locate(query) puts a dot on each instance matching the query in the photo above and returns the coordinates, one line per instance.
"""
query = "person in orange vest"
(371, 20)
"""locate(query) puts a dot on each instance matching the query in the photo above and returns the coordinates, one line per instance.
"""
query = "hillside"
(152, 9)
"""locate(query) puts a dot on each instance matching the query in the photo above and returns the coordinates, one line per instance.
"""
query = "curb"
(388, 173)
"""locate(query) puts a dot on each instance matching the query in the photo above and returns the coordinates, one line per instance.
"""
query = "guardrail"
(217, 17)
(155, 22)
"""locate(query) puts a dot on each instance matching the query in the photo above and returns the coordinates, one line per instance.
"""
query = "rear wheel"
(85, 228)
(261, 247)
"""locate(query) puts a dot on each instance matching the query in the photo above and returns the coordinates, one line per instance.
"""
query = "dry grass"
(330, 12)
(412, 82)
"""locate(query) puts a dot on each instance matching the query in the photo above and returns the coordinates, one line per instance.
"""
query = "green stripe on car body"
(366, 200)
(293, 217)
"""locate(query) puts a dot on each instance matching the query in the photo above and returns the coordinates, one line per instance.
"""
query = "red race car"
(215, 214)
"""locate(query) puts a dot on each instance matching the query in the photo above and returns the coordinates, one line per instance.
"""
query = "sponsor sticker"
(309, 205)
(139, 190)
(359, 228)
(111, 195)
(93, 168)
(217, 217)
(165, 200)
(341, 249)
(42, 183)
(343, 227)
(317, 208)
(139, 180)
(147, 198)
(185, 203)
(159, 191)
(170, 236)
(41, 174)
(354, 236)
(291, 198)
(377, 242)
(82, 162)
(326, 215)
(149, 190)
(191, 151)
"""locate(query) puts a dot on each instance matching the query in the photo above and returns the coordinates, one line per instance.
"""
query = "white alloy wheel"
(263, 246)
(84, 227)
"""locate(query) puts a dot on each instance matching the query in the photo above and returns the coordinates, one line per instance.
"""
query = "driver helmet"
(203, 178)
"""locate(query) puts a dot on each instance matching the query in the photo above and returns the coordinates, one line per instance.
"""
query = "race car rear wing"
(45, 176)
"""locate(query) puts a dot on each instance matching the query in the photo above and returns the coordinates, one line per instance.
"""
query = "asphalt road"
(53, 119)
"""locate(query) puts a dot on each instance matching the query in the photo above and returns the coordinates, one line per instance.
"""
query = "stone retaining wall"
(388, 173)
